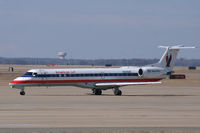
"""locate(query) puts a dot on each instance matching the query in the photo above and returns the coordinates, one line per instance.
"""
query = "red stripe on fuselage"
(82, 81)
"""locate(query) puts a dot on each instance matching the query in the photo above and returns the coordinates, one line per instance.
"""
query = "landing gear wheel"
(97, 91)
(117, 92)
(22, 93)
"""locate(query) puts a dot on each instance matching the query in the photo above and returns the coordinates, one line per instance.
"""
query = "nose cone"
(20, 81)
(15, 82)
(12, 84)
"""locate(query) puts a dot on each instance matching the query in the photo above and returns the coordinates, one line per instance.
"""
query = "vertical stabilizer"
(169, 57)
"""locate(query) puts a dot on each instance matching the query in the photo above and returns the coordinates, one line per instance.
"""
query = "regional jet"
(99, 79)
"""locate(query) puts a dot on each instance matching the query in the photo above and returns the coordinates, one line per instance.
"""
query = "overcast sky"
(93, 29)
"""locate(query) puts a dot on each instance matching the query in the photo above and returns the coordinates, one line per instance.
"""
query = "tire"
(117, 92)
(22, 93)
(97, 92)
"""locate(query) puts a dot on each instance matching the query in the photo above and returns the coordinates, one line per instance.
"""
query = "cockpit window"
(28, 74)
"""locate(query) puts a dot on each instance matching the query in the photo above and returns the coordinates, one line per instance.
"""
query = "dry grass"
(26, 131)
(135, 132)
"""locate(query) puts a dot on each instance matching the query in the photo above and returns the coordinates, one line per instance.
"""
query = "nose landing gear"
(22, 92)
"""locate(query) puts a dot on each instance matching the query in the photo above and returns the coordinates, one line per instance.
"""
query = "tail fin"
(169, 57)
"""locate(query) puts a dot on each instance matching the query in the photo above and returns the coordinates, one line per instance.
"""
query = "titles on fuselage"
(153, 70)
(65, 72)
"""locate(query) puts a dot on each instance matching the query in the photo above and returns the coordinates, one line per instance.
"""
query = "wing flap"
(118, 84)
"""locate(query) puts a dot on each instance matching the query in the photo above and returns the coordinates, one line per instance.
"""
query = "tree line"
(97, 62)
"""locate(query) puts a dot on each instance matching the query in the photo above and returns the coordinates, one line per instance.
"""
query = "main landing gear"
(117, 92)
(97, 91)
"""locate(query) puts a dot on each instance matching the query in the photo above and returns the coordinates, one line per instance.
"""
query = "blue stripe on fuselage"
(25, 76)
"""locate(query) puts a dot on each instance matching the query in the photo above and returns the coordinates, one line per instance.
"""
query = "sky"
(98, 29)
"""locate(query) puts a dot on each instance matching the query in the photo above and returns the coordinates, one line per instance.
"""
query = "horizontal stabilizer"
(176, 47)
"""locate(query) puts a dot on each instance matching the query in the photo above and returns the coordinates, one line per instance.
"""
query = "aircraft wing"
(118, 84)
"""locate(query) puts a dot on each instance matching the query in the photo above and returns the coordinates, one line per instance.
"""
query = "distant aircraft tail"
(169, 57)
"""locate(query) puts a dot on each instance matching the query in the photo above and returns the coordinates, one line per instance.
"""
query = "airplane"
(98, 79)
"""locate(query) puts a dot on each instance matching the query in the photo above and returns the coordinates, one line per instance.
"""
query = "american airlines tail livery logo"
(168, 60)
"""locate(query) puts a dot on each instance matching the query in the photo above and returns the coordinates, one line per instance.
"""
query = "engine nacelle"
(151, 72)
(140, 72)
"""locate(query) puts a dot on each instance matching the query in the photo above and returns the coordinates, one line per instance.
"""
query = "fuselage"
(88, 77)
(99, 79)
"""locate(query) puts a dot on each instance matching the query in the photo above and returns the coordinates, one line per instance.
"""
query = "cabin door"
(44, 77)
(102, 75)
